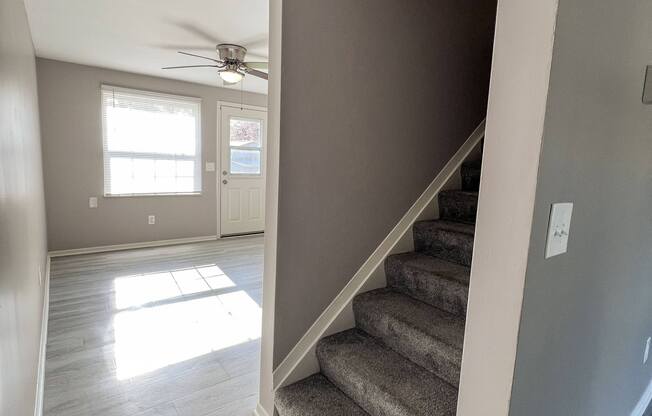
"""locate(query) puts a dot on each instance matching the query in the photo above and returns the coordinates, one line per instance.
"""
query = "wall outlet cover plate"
(559, 228)
(210, 166)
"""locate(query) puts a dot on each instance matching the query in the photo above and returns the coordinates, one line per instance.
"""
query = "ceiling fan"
(231, 64)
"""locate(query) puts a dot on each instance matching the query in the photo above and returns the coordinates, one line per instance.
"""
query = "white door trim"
(218, 153)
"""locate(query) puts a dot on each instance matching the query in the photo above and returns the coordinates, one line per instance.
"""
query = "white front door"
(243, 134)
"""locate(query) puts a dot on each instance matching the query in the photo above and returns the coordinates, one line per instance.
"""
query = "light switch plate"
(210, 166)
(559, 228)
(647, 88)
(92, 202)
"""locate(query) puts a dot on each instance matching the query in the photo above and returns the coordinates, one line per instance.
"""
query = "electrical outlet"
(151, 220)
(210, 166)
(646, 354)
(92, 202)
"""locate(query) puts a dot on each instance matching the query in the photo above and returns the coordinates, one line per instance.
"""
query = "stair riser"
(408, 391)
(448, 245)
(470, 178)
(314, 396)
(430, 353)
(458, 207)
(354, 387)
(447, 295)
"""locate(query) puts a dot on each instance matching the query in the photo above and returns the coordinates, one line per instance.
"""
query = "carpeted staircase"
(404, 356)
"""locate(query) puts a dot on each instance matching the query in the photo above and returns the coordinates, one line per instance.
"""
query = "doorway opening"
(242, 145)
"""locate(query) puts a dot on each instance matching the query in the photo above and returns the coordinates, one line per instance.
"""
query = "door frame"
(218, 153)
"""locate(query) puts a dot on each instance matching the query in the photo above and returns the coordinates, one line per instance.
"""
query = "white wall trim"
(520, 74)
(40, 375)
(266, 396)
(644, 402)
(375, 261)
(130, 246)
(260, 411)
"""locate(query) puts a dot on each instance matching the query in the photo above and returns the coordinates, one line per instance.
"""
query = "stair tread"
(315, 396)
(380, 380)
(461, 192)
(438, 268)
(427, 336)
(433, 322)
(458, 227)
(432, 280)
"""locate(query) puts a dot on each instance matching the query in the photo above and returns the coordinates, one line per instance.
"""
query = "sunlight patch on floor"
(153, 337)
(138, 290)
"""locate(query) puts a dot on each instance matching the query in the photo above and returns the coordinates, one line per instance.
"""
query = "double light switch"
(559, 228)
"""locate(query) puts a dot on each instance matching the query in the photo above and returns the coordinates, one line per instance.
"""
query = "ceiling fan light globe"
(231, 76)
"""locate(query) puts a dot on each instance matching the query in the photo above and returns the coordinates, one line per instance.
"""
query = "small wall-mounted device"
(559, 228)
(647, 87)
(151, 219)
(210, 166)
(92, 202)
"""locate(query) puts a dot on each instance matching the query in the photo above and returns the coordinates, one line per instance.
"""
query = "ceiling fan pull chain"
(241, 96)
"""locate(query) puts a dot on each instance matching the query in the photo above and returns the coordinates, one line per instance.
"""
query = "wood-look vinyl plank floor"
(168, 331)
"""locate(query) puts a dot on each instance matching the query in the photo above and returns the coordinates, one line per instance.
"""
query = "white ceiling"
(142, 36)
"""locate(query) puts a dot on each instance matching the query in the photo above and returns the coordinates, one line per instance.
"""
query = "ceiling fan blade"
(255, 41)
(204, 34)
(207, 48)
(257, 57)
(191, 66)
(257, 65)
(256, 73)
(199, 56)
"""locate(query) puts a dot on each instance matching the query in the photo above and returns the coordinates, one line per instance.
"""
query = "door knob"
(225, 181)
(224, 172)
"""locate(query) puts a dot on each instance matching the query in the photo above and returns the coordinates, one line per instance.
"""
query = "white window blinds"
(152, 143)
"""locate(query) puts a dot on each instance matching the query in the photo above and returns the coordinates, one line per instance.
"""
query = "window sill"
(150, 195)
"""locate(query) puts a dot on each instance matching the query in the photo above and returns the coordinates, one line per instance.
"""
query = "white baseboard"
(130, 246)
(301, 360)
(644, 402)
(259, 411)
(40, 374)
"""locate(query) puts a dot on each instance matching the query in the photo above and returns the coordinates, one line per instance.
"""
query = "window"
(245, 145)
(152, 143)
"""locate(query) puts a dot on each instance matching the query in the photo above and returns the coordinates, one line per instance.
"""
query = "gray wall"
(22, 215)
(69, 98)
(586, 314)
(376, 98)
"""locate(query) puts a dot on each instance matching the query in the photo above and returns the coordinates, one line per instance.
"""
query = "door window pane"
(245, 162)
(245, 132)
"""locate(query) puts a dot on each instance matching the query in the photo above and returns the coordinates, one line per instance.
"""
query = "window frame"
(106, 154)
